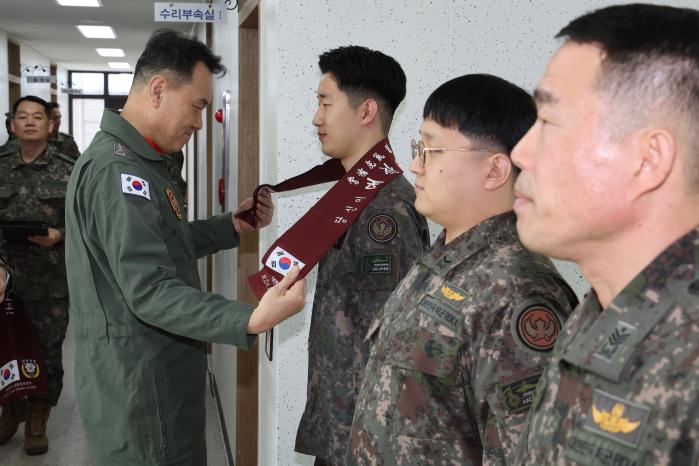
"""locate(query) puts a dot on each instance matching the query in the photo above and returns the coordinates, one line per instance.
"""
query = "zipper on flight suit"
(163, 446)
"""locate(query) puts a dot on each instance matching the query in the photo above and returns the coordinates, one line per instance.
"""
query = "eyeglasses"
(419, 150)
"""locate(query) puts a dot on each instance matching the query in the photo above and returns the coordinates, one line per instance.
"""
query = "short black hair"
(651, 56)
(31, 98)
(53, 105)
(177, 54)
(493, 112)
(363, 73)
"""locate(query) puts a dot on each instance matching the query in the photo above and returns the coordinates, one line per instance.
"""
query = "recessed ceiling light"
(119, 65)
(111, 52)
(79, 2)
(97, 32)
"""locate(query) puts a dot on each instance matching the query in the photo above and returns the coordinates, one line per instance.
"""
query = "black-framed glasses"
(419, 150)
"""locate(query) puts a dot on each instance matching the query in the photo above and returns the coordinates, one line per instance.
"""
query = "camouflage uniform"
(66, 145)
(623, 384)
(354, 279)
(458, 352)
(36, 191)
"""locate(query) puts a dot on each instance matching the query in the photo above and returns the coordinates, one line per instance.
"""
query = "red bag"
(21, 366)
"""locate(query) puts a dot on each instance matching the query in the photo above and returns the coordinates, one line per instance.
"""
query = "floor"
(67, 443)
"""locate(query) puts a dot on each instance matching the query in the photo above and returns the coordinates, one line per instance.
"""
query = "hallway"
(67, 443)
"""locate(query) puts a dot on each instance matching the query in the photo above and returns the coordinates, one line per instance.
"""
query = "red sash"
(307, 241)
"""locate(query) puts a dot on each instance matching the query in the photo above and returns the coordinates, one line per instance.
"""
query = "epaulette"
(65, 158)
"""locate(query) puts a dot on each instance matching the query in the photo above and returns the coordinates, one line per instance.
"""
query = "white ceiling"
(50, 29)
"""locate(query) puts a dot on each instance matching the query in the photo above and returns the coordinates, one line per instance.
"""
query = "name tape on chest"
(131, 184)
(281, 261)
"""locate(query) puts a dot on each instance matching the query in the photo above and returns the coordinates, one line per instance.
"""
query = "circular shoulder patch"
(382, 228)
(537, 328)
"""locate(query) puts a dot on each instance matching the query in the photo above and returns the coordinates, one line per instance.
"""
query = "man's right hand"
(283, 300)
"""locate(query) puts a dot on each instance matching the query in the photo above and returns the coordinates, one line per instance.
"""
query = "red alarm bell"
(219, 115)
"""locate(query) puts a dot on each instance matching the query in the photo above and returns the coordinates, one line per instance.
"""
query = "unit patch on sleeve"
(536, 327)
(382, 228)
(281, 261)
(173, 203)
(131, 184)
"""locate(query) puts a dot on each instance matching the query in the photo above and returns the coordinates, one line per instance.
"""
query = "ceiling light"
(111, 52)
(97, 32)
(79, 2)
(119, 65)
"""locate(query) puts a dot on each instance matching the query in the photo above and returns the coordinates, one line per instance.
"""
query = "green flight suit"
(136, 305)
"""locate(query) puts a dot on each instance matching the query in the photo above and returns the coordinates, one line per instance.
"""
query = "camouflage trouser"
(49, 318)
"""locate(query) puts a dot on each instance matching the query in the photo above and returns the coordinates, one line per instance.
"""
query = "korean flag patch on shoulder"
(131, 184)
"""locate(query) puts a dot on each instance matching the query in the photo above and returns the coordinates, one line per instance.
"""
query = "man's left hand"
(47, 241)
(263, 212)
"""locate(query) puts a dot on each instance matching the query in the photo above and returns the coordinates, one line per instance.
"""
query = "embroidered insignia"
(131, 184)
(382, 228)
(30, 368)
(537, 328)
(173, 203)
(281, 261)
(519, 395)
(376, 264)
(440, 311)
(119, 150)
(616, 418)
(451, 293)
(9, 373)
(615, 340)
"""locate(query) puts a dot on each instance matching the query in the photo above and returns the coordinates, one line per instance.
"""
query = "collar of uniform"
(123, 130)
(494, 231)
(42, 159)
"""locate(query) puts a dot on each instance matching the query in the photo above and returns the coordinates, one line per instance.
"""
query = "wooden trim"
(247, 14)
(209, 169)
(248, 251)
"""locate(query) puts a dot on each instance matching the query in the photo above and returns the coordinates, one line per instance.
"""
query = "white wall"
(225, 43)
(62, 98)
(433, 41)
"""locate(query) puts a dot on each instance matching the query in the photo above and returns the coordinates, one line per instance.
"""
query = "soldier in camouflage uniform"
(33, 180)
(609, 181)
(463, 339)
(65, 143)
(356, 276)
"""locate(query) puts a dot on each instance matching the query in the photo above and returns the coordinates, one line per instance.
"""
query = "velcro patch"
(453, 292)
(519, 395)
(173, 203)
(615, 340)
(537, 328)
(281, 261)
(376, 264)
(616, 418)
(382, 228)
(119, 149)
(588, 449)
(131, 184)
(444, 313)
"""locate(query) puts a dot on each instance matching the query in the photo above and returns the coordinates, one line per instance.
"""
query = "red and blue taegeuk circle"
(6, 374)
(137, 185)
(285, 263)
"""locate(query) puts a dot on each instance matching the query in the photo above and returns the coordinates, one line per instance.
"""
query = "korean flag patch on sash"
(281, 261)
(131, 184)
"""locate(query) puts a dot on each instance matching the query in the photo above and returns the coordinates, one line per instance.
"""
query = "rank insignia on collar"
(616, 418)
(119, 150)
(173, 203)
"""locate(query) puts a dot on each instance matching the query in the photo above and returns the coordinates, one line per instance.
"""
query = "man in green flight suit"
(140, 317)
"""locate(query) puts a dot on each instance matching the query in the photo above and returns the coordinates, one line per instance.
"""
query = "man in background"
(64, 141)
